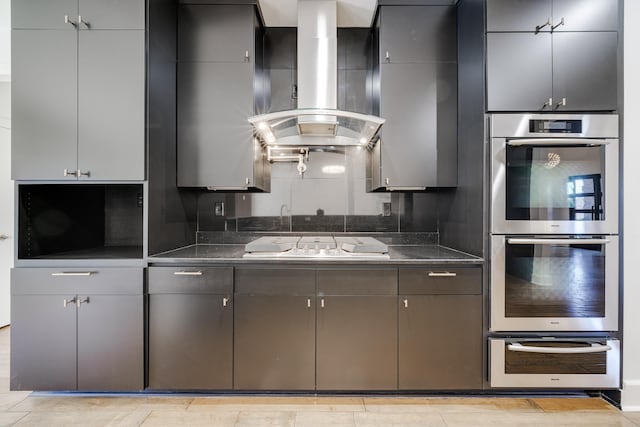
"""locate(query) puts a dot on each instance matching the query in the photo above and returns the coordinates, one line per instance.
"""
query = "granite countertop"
(232, 253)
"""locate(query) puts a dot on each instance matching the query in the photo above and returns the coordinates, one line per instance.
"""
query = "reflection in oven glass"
(555, 183)
(555, 281)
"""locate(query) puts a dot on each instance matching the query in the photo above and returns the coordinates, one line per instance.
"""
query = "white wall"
(631, 250)
(6, 186)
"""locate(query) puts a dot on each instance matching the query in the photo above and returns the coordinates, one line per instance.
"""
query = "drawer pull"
(594, 348)
(322, 303)
(441, 274)
(66, 302)
(405, 302)
(73, 273)
(187, 273)
(225, 301)
(308, 302)
(81, 301)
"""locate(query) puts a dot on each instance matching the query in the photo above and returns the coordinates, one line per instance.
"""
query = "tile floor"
(24, 409)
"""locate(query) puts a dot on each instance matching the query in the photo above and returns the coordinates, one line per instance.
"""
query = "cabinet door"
(215, 33)
(112, 14)
(357, 342)
(190, 342)
(518, 71)
(110, 343)
(43, 14)
(44, 104)
(518, 15)
(440, 342)
(43, 342)
(418, 33)
(215, 140)
(585, 70)
(274, 347)
(409, 102)
(585, 15)
(111, 97)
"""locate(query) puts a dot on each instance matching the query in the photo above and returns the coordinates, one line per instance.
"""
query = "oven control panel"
(555, 126)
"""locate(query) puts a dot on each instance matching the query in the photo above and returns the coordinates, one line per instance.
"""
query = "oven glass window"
(555, 280)
(517, 362)
(546, 183)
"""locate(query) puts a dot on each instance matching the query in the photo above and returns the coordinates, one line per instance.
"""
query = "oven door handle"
(594, 348)
(556, 141)
(558, 241)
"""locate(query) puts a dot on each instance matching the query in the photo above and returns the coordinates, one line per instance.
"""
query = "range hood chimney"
(317, 121)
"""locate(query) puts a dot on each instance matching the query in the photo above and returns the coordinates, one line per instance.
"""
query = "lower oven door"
(554, 363)
(554, 283)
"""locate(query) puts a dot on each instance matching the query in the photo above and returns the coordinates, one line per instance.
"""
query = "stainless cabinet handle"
(441, 274)
(68, 20)
(562, 103)
(405, 302)
(87, 173)
(225, 300)
(549, 103)
(387, 57)
(558, 241)
(66, 302)
(68, 172)
(594, 348)
(82, 21)
(247, 181)
(4, 237)
(308, 302)
(556, 141)
(73, 273)
(246, 56)
(187, 273)
(81, 301)
(558, 24)
(386, 181)
(322, 303)
(540, 27)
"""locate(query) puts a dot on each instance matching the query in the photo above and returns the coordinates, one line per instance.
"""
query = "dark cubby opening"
(80, 221)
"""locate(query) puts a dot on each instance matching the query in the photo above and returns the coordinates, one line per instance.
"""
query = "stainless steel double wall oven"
(554, 250)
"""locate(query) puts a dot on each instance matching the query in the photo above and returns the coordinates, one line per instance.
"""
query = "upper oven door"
(558, 283)
(554, 183)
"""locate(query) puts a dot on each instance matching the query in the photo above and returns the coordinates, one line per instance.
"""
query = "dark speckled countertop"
(232, 254)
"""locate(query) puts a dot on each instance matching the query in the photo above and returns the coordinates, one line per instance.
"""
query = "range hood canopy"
(317, 121)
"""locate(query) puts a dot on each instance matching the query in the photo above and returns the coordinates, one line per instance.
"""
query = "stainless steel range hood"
(317, 121)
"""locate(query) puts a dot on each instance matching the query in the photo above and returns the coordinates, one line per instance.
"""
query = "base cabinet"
(190, 328)
(357, 333)
(77, 329)
(440, 329)
(275, 322)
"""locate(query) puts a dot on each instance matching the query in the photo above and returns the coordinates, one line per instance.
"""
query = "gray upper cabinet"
(111, 109)
(519, 71)
(112, 14)
(552, 15)
(218, 72)
(44, 104)
(44, 14)
(221, 33)
(519, 15)
(417, 34)
(78, 104)
(569, 64)
(585, 75)
(83, 14)
(415, 91)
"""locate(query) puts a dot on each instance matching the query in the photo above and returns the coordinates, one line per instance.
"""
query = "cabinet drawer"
(441, 281)
(190, 280)
(358, 282)
(290, 281)
(49, 281)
